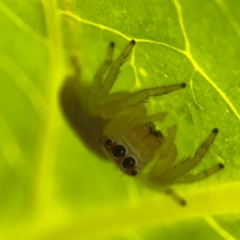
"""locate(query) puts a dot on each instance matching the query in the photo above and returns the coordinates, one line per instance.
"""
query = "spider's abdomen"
(87, 127)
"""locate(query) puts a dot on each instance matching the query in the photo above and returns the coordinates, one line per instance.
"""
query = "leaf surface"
(52, 186)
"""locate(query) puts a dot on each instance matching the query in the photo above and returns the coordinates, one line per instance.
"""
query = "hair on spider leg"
(182, 160)
(204, 141)
(215, 131)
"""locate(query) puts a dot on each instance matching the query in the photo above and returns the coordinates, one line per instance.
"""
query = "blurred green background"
(51, 185)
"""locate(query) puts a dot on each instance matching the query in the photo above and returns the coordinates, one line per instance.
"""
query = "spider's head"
(132, 149)
(120, 154)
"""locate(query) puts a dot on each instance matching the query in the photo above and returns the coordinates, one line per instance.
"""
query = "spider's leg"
(175, 196)
(152, 118)
(108, 109)
(189, 178)
(114, 71)
(168, 176)
(98, 77)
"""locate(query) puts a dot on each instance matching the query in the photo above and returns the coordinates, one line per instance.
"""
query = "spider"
(117, 126)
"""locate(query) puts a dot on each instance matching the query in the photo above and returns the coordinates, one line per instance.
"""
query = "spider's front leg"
(172, 175)
(108, 109)
(179, 173)
(189, 163)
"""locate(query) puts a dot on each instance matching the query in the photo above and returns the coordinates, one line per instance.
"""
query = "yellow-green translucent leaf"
(51, 185)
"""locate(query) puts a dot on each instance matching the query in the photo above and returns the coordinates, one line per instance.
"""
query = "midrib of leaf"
(114, 221)
(148, 212)
(49, 135)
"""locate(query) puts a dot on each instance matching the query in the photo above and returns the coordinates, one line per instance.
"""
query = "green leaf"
(52, 186)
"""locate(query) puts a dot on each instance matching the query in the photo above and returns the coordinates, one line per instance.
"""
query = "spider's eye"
(108, 142)
(134, 172)
(128, 162)
(119, 151)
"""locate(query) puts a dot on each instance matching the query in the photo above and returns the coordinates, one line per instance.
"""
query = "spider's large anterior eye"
(108, 142)
(119, 151)
(128, 162)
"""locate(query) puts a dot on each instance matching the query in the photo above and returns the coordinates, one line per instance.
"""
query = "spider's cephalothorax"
(125, 130)
(133, 148)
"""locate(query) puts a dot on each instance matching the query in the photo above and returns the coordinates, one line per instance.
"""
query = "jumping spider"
(118, 124)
